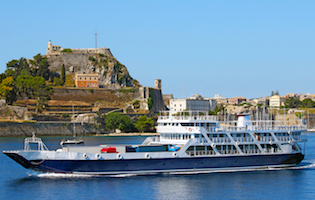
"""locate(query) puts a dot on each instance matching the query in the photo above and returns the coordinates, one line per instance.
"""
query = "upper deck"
(184, 121)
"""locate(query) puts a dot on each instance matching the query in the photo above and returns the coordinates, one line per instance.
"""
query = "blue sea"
(17, 182)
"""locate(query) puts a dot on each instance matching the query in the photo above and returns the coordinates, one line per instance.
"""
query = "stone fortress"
(57, 50)
(98, 68)
(78, 61)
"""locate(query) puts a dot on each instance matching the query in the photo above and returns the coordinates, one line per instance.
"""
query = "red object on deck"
(109, 150)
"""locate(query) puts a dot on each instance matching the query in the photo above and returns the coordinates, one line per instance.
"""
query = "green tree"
(112, 121)
(63, 74)
(43, 69)
(16, 66)
(145, 124)
(40, 91)
(25, 72)
(7, 89)
(272, 93)
(67, 51)
(126, 124)
(292, 103)
(308, 103)
(33, 87)
(22, 84)
(58, 81)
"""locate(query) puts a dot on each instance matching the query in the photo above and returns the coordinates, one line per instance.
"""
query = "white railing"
(265, 139)
(262, 126)
(220, 140)
(34, 140)
(251, 151)
(243, 139)
(284, 138)
(201, 153)
(228, 152)
(212, 129)
(271, 150)
(187, 115)
(201, 140)
(183, 117)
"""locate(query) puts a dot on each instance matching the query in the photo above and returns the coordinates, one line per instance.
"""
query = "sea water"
(17, 182)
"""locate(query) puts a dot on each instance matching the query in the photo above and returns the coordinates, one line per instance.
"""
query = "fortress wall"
(9, 129)
(158, 103)
(93, 51)
(114, 97)
(78, 61)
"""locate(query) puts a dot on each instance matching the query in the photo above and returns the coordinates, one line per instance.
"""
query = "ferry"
(188, 142)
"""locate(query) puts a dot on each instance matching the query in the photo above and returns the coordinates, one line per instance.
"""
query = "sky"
(231, 48)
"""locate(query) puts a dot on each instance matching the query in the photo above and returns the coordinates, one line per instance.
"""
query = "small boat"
(189, 141)
(74, 140)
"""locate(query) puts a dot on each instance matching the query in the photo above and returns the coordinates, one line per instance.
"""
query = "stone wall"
(158, 103)
(77, 62)
(9, 129)
(114, 97)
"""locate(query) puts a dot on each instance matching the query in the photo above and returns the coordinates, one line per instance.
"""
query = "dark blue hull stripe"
(160, 165)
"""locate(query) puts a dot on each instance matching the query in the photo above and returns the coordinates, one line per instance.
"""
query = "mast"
(73, 122)
(95, 39)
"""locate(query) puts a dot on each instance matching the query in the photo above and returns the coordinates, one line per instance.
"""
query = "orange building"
(86, 80)
(237, 100)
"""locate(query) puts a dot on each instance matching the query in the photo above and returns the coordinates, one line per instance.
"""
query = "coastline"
(25, 129)
(127, 134)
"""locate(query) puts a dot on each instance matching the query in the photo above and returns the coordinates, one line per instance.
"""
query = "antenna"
(182, 90)
(96, 39)
(201, 89)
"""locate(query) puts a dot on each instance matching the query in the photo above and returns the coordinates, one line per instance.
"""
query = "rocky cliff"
(111, 73)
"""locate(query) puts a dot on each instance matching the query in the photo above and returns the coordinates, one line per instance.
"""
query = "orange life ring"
(190, 129)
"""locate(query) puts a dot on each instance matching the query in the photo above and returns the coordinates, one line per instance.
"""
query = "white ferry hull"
(167, 165)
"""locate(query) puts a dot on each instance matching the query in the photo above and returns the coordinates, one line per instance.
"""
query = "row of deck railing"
(183, 117)
(237, 139)
(263, 128)
(245, 151)
(247, 139)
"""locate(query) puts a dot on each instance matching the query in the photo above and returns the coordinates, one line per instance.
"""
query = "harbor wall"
(15, 129)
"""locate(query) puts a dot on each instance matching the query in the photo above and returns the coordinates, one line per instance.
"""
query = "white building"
(276, 101)
(196, 102)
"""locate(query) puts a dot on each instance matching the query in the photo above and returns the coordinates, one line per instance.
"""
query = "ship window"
(200, 148)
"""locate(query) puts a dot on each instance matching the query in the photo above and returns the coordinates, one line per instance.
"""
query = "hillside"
(111, 73)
